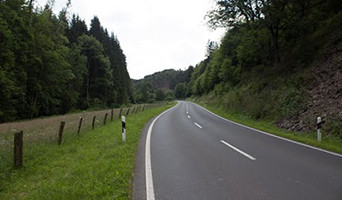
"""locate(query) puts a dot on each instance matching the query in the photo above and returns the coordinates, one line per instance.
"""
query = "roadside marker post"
(319, 125)
(123, 128)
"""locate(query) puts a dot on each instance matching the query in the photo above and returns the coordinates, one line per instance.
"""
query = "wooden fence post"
(79, 126)
(120, 113)
(93, 124)
(60, 134)
(128, 111)
(111, 114)
(18, 150)
(105, 119)
(133, 110)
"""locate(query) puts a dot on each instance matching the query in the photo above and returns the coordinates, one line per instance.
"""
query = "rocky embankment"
(324, 96)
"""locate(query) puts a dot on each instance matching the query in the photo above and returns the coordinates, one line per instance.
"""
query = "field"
(46, 129)
(96, 164)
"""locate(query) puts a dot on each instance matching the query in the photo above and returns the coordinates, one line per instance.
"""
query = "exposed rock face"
(325, 95)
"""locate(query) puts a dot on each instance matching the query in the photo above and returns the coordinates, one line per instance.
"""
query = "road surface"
(190, 153)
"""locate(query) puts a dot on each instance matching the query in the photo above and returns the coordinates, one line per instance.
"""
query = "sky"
(154, 34)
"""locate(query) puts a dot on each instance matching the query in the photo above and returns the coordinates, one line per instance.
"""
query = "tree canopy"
(52, 64)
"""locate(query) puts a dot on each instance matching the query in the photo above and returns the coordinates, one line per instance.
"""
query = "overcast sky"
(154, 34)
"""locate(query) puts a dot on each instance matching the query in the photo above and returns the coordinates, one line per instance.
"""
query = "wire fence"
(47, 129)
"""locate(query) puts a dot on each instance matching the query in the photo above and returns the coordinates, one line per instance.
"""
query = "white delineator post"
(319, 124)
(124, 128)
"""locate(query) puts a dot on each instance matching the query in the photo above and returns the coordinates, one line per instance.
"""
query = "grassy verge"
(96, 165)
(328, 143)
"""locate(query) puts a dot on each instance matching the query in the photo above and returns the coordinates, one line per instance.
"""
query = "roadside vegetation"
(278, 62)
(333, 144)
(94, 165)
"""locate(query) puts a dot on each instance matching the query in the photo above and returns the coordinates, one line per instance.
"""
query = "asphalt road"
(193, 154)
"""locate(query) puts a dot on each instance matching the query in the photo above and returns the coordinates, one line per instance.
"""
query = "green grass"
(328, 143)
(96, 165)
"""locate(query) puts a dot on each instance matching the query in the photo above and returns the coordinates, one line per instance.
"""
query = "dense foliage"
(161, 85)
(52, 64)
(270, 63)
(259, 67)
(260, 33)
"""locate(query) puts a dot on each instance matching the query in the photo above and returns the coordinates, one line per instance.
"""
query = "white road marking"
(148, 169)
(238, 150)
(187, 112)
(189, 116)
(271, 135)
(199, 126)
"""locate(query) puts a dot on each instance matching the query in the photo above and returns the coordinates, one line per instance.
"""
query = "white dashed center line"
(238, 150)
(199, 126)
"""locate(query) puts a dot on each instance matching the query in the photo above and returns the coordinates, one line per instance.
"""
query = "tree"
(211, 47)
(98, 79)
(77, 28)
(112, 49)
(169, 96)
(180, 91)
(13, 19)
(276, 16)
(160, 95)
(50, 64)
(47, 67)
(71, 95)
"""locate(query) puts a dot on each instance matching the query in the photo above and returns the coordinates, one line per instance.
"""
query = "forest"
(265, 35)
(166, 85)
(52, 65)
(276, 62)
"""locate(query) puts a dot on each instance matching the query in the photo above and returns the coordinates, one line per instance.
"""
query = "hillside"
(324, 96)
(160, 85)
(289, 81)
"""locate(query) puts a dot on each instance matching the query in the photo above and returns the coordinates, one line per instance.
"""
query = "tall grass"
(95, 165)
(329, 143)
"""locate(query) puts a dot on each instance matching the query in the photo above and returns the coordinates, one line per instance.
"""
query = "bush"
(291, 100)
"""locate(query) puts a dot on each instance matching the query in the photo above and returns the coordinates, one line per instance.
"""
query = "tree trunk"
(88, 87)
(87, 82)
(34, 104)
(275, 41)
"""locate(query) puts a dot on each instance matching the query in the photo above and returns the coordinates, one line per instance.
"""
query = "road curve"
(197, 155)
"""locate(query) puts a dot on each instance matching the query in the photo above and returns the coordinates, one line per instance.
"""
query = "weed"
(328, 142)
(95, 165)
